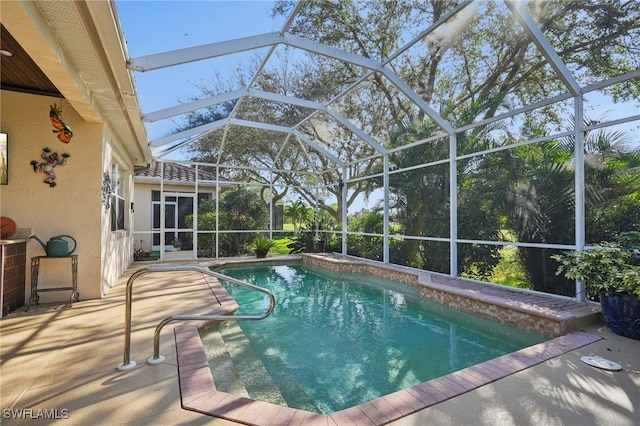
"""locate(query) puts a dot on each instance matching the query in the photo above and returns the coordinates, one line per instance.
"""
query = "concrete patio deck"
(60, 361)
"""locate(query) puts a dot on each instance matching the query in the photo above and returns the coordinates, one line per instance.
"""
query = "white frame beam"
(192, 54)
(531, 28)
(243, 93)
(370, 66)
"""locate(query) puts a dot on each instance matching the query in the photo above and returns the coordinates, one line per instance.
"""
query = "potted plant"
(176, 243)
(610, 271)
(261, 246)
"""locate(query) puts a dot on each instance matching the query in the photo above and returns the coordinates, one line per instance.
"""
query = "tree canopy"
(515, 176)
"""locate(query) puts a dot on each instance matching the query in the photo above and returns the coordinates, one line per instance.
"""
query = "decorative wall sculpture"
(64, 132)
(51, 161)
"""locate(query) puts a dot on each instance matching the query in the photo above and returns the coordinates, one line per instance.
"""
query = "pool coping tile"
(400, 403)
(283, 416)
(469, 377)
(354, 415)
(441, 387)
(409, 401)
(381, 408)
(426, 394)
(198, 392)
(257, 412)
(232, 406)
(461, 381)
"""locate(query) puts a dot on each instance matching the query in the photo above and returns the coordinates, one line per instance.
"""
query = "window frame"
(117, 199)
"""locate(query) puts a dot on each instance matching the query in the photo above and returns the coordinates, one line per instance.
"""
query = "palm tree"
(298, 213)
(541, 203)
(421, 195)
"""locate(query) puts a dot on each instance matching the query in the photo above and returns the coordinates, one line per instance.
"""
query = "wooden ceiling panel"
(19, 73)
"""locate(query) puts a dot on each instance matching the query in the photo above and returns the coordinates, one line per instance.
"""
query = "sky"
(155, 26)
(158, 26)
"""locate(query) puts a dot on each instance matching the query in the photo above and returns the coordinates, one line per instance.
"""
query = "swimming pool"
(336, 340)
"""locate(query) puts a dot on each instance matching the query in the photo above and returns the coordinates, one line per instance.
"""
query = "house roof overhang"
(79, 48)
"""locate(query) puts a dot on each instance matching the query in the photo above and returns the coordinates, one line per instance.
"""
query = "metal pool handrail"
(127, 364)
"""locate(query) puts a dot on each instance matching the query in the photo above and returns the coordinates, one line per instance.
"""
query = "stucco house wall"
(79, 48)
(143, 216)
(116, 246)
(73, 207)
(177, 179)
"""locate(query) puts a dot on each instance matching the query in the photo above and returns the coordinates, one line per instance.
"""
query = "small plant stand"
(35, 269)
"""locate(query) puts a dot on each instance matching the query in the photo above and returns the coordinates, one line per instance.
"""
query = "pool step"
(252, 373)
(225, 375)
(291, 390)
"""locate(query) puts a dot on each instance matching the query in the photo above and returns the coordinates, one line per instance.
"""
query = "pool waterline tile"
(543, 314)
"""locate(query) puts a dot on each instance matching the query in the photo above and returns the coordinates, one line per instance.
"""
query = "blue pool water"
(337, 340)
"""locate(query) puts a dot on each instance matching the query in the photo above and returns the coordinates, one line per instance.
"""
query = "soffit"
(68, 42)
(19, 72)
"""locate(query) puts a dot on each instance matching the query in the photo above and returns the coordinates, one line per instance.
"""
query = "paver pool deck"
(60, 361)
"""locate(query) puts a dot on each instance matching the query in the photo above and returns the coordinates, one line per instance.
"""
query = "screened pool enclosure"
(473, 138)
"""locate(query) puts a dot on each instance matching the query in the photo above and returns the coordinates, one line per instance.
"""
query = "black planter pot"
(621, 314)
(261, 254)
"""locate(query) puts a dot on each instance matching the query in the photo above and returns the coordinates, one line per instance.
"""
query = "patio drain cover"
(598, 362)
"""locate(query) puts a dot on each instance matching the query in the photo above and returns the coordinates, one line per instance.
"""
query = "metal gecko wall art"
(48, 166)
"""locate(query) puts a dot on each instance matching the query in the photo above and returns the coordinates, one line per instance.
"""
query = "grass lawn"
(509, 270)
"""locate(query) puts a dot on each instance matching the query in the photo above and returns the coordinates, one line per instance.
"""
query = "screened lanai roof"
(331, 86)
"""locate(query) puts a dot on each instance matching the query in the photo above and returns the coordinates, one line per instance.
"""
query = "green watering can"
(56, 246)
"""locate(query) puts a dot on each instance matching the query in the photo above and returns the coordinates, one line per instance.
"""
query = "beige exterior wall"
(143, 208)
(142, 216)
(74, 206)
(117, 250)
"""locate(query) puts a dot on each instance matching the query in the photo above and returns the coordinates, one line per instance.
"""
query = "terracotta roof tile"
(175, 172)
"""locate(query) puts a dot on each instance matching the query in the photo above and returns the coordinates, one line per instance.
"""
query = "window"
(117, 198)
